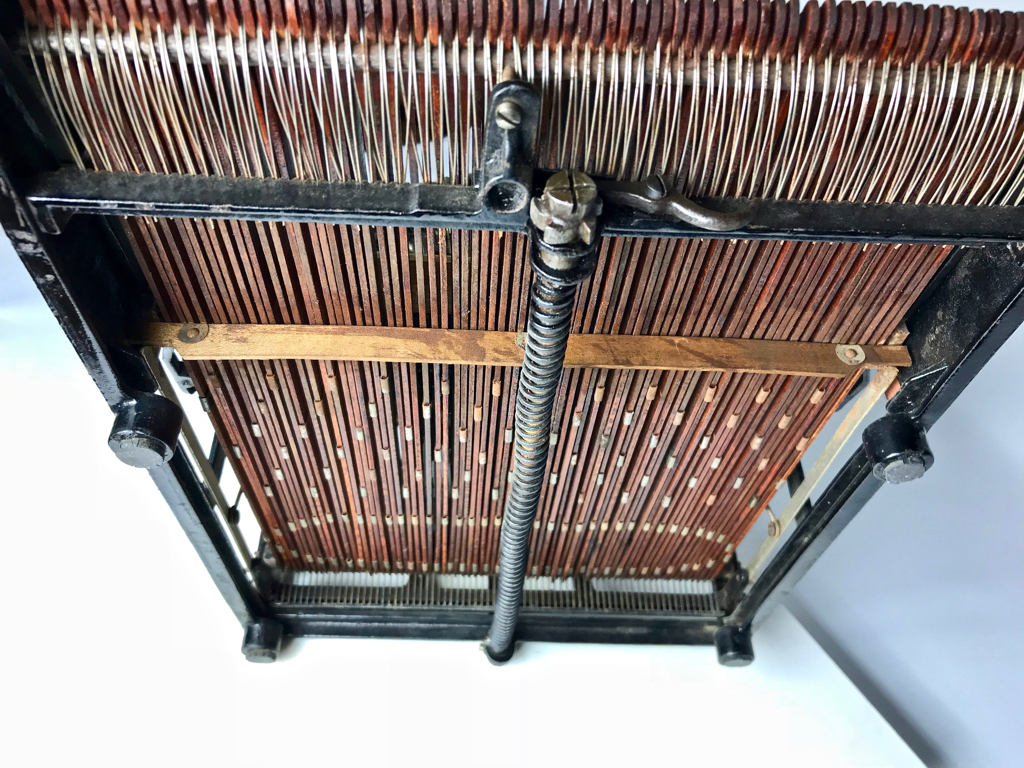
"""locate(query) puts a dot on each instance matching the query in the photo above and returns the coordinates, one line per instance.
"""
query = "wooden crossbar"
(500, 348)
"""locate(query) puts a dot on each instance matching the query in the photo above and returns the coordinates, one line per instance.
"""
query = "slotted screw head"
(508, 115)
(567, 209)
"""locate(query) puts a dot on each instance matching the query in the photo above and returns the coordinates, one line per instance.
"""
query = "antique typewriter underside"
(518, 314)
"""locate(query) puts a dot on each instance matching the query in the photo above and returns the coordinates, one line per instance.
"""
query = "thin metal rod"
(376, 55)
(849, 427)
(191, 441)
(54, 196)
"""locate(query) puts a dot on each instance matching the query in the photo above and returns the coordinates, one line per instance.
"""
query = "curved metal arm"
(652, 197)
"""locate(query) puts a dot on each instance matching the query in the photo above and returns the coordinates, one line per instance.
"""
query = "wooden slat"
(427, 345)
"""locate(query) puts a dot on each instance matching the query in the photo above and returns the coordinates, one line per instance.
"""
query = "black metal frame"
(442, 623)
(95, 291)
(55, 197)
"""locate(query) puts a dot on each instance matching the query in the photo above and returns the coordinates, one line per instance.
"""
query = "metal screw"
(507, 114)
(190, 333)
(655, 186)
(567, 210)
(851, 354)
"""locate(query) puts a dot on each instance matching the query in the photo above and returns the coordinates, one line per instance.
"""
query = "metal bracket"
(730, 584)
(510, 147)
(653, 196)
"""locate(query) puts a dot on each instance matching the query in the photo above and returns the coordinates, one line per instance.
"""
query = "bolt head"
(851, 354)
(190, 333)
(145, 431)
(567, 210)
(898, 449)
(655, 186)
(141, 450)
(508, 115)
(902, 469)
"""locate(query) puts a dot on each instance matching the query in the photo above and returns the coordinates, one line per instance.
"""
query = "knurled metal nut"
(587, 228)
(539, 214)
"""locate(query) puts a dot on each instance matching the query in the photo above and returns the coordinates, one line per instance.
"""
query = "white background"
(921, 599)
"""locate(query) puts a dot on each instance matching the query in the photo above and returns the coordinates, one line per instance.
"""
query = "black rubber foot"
(262, 641)
(145, 431)
(498, 659)
(734, 646)
(897, 448)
